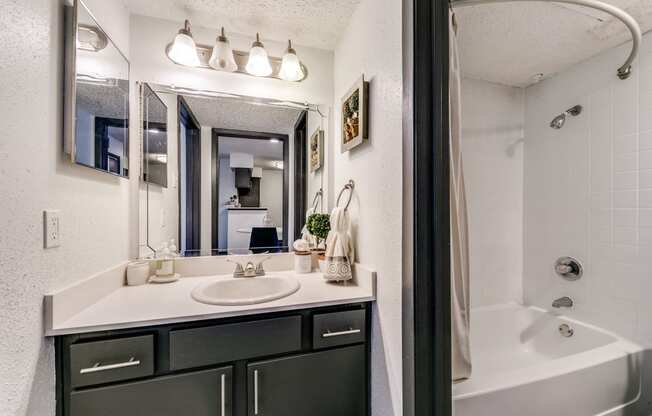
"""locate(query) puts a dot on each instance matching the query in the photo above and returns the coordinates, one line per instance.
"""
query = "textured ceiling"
(225, 113)
(315, 23)
(510, 43)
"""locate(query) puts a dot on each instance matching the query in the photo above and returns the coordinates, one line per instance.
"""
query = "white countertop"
(156, 304)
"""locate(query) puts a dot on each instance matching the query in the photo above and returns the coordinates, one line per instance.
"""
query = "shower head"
(558, 122)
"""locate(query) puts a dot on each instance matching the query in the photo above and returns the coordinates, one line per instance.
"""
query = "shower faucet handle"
(568, 268)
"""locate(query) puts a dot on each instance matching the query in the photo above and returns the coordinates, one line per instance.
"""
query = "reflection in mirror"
(243, 174)
(101, 98)
(155, 138)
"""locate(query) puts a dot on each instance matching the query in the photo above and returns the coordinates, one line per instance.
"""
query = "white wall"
(149, 37)
(206, 190)
(98, 218)
(588, 192)
(492, 148)
(371, 45)
(319, 178)
(271, 194)
(227, 190)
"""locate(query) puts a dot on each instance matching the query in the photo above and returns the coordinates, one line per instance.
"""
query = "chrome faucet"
(563, 302)
(249, 269)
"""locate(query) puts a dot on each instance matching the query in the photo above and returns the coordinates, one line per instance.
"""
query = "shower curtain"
(460, 305)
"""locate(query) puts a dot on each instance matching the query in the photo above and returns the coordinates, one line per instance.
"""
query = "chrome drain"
(566, 331)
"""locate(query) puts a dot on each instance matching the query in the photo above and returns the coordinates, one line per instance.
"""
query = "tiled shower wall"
(588, 192)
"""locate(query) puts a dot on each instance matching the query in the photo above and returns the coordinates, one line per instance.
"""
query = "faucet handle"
(239, 270)
(259, 266)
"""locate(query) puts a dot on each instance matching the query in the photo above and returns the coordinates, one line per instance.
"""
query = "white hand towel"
(339, 247)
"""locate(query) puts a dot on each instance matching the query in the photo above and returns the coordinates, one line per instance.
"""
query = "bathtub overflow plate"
(566, 331)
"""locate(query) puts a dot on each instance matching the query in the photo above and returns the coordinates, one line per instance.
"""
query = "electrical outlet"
(51, 228)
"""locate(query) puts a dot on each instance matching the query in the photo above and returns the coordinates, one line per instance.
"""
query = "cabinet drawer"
(198, 347)
(204, 393)
(111, 360)
(338, 328)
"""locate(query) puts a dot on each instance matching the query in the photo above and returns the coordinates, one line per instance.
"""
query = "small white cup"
(137, 273)
(302, 262)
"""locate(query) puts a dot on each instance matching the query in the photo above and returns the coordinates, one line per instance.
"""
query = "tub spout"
(563, 302)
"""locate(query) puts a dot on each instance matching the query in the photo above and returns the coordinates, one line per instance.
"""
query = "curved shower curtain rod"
(625, 70)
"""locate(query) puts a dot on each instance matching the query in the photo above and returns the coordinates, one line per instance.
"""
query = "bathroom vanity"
(155, 350)
(306, 362)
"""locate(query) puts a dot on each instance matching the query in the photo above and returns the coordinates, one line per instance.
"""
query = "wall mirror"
(97, 95)
(238, 171)
(155, 138)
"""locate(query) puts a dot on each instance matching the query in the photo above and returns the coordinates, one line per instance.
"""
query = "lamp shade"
(183, 50)
(222, 57)
(291, 66)
(258, 63)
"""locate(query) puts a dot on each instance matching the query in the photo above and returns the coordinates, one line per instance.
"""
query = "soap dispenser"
(165, 270)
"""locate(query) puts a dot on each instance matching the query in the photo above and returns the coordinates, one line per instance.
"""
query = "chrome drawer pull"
(255, 392)
(223, 395)
(97, 367)
(329, 334)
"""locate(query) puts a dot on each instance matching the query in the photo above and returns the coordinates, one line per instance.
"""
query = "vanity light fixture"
(291, 66)
(222, 57)
(258, 63)
(274, 141)
(91, 38)
(183, 50)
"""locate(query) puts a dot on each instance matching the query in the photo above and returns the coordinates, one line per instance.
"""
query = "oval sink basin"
(245, 290)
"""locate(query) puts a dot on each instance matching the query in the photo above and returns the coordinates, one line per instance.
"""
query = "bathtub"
(523, 366)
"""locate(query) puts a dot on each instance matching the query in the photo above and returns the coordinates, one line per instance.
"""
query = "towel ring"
(350, 185)
(317, 199)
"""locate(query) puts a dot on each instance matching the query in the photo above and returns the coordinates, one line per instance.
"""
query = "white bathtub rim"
(618, 338)
(618, 349)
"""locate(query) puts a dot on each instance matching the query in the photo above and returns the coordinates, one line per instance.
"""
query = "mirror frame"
(70, 84)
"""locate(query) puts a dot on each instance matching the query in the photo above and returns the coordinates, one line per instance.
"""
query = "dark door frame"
(215, 177)
(426, 252)
(300, 169)
(192, 239)
(102, 125)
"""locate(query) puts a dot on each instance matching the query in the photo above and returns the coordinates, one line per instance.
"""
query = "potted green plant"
(319, 225)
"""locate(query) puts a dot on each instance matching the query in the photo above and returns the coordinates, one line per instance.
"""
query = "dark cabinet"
(323, 383)
(203, 393)
(311, 362)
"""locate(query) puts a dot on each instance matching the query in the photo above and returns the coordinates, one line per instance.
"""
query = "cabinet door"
(326, 383)
(203, 393)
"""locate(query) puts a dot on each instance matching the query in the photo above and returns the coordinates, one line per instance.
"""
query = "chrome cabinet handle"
(329, 334)
(255, 392)
(97, 367)
(223, 394)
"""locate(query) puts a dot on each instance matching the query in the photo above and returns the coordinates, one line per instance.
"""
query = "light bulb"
(222, 57)
(291, 66)
(183, 50)
(258, 63)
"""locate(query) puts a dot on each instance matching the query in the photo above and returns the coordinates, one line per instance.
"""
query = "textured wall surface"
(492, 146)
(96, 212)
(588, 192)
(371, 45)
